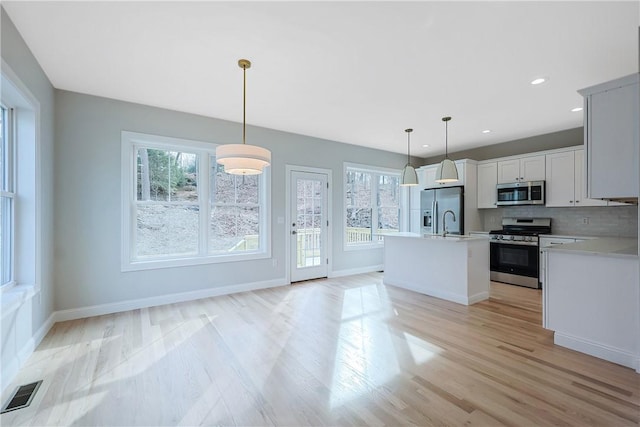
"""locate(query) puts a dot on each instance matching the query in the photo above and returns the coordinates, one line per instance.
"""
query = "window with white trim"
(7, 196)
(372, 205)
(181, 208)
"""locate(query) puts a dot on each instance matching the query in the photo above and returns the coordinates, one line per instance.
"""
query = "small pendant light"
(447, 170)
(409, 175)
(243, 159)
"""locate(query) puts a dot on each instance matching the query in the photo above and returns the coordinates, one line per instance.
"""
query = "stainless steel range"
(514, 251)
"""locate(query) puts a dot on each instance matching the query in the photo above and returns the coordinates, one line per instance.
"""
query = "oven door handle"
(514, 242)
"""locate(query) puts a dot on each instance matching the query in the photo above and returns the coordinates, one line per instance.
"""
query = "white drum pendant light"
(243, 159)
(447, 170)
(409, 175)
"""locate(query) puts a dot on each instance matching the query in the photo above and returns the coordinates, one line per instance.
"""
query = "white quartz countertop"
(567, 236)
(606, 246)
(447, 238)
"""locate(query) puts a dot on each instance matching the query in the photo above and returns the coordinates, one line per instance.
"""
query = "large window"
(7, 196)
(181, 208)
(372, 205)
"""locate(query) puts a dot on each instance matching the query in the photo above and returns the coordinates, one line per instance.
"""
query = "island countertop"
(447, 238)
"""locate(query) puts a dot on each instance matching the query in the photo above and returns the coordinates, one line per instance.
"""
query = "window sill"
(185, 262)
(366, 246)
(14, 297)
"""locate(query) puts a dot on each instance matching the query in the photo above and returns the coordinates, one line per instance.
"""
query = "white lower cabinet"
(592, 303)
(546, 242)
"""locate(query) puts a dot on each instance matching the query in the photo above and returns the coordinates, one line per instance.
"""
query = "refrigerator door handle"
(434, 212)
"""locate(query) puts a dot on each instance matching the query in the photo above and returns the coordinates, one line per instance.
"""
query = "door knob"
(294, 232)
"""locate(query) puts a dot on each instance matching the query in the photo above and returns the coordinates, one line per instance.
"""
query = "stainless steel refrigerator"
(435, 202)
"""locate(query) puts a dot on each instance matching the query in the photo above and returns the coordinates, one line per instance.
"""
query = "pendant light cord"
(446, 139)
(446, 136)
(244, 103)
(408, 131)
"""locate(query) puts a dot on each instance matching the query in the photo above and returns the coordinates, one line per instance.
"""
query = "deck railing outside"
(309, 241)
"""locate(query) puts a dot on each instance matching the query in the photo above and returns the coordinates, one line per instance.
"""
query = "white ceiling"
(354, 72)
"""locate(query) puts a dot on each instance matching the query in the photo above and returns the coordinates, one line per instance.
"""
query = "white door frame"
(328, 172)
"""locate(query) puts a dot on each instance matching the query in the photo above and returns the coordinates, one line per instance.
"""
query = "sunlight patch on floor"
(365, 354)
(421, 350)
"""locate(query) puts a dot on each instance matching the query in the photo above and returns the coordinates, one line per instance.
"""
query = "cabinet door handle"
(570, 201)
(522, 178)
(577, 201)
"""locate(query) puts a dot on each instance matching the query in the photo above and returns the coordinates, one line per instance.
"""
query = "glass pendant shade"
(447, 171)
(409, 176)
(243, 159)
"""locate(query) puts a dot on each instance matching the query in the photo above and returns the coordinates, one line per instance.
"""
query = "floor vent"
(22, 397)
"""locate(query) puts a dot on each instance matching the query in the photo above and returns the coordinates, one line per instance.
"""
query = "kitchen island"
(455, 268)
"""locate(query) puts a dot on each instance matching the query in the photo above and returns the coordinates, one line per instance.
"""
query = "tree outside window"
(372, 205)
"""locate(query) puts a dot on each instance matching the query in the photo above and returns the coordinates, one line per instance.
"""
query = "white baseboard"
(99, 310)
(460, 299)
(602, 351)
(481, 296)
(9, 372)
(352, 271)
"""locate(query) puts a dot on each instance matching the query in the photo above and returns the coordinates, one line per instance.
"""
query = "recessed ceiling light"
(538, 81)
(486, 131)
(575, 110)
(425, 146)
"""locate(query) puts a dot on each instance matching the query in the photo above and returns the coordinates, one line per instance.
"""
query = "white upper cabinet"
(612, 138)
(564, 183)
(581, 186)
(560, 182)
(487, 180)
(430, 176)
(508, 171)
(530, 168)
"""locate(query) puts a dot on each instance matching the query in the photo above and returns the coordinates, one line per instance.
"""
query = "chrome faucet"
(444, 221)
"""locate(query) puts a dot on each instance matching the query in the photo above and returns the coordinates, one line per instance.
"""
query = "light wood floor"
(347, 351)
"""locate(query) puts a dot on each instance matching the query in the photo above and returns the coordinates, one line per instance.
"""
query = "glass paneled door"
(309, 225)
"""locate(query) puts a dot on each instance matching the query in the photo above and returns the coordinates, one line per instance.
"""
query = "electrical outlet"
(585, 221)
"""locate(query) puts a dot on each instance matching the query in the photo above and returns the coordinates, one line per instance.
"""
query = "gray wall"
(621, 221)
(87, 208)
(549, 141)
(18, 57)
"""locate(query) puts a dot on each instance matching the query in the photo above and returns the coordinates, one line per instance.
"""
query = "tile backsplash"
(619, 221)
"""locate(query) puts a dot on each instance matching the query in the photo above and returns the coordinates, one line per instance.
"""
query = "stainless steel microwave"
(521, 193)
